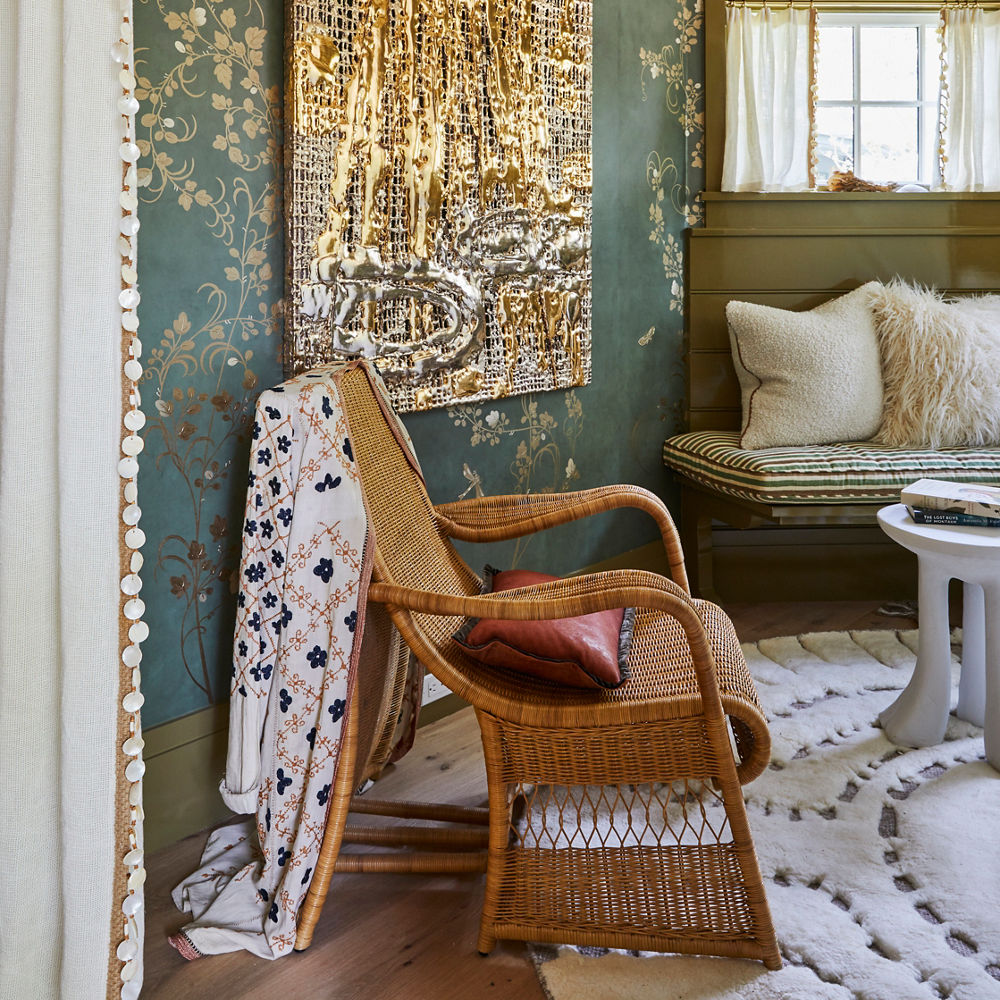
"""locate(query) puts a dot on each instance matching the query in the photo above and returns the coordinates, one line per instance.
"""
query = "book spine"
(945, 505)
(925, 516)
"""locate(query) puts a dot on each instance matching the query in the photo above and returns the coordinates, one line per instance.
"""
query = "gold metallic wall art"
(438, 193)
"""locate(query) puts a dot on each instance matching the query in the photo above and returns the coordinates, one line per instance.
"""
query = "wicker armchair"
(615, 817)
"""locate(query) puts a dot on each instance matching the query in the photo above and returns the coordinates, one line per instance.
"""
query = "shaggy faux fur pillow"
(807, 377)
(940, 366)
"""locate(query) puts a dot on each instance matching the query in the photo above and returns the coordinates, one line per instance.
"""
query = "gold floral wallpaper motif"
(209, 132)
(439, 193)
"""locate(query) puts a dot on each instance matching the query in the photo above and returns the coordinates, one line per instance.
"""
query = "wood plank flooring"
(383, 937)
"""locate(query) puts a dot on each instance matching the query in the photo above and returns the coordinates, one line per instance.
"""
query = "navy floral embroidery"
(284, 444)
(285, 516)
(336, 710)
(270, 600)
(255, 622)
(286, 700)
(329, 483)
(327, 408)
(250, 527)
(242, 690)
(261, 673)
(347, 450)
(311, 737)
(351, 621)
(263, 647)
(277, 558)
(273, 913)
(263, 894)
(316, 658)
(305, 877)
(264, 456)
(283, 782)
(250, 479)
(258, 501)
(266, 529)
(272, 412)
(256, 430)
(241, 599)
(275, 484)
(242, 647)
(283, 855)
(324, 570)
(254, 572)
(267, 818)
(323, 795)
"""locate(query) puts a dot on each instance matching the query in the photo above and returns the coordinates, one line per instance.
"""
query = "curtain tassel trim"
(130, 878)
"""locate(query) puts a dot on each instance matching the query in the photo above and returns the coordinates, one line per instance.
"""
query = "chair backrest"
(410, 549)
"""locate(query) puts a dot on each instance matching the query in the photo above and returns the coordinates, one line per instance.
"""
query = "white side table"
(918, 717)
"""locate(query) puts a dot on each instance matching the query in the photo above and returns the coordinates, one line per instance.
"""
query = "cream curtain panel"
(69, 742)
(971, 140)
(768, 59)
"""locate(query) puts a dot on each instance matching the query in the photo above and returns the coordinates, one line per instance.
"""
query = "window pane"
(834, 142)
(889, 145)
(888, 63)
(835, 64)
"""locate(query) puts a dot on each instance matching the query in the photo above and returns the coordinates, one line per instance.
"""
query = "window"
(877, 83)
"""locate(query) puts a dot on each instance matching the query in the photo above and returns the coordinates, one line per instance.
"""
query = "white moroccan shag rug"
(881, 864)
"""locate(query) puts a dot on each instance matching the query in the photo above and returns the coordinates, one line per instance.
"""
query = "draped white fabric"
(60, 434)
(768, 55)
(972, 77)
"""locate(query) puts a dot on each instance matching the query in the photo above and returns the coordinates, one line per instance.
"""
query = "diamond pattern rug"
(881, 863)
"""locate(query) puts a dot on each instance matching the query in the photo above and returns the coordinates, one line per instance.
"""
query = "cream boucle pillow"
(807, 377)
(941, 367)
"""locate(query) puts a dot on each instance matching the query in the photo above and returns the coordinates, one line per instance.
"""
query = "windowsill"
(755, 196)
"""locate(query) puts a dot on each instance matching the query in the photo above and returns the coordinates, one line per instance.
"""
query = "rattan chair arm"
(491, 519)
(579, 595)
(566, 598)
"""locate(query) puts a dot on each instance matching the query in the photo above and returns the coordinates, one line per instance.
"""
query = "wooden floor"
(383, 937)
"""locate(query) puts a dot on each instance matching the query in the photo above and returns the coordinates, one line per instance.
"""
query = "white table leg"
(919, 716)
(972, 685)
(991, 732)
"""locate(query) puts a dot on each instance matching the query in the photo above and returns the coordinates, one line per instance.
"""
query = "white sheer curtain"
(768, 58)
(971, 140)
(67, 824)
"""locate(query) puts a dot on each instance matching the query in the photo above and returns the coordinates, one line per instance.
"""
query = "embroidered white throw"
(303, 582)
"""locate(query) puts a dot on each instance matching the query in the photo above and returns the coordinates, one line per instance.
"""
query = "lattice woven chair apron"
(615, 817)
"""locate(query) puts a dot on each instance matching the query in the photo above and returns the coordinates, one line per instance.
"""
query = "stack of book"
(936, 501)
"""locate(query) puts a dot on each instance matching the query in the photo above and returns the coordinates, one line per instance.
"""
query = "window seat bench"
(836, 484)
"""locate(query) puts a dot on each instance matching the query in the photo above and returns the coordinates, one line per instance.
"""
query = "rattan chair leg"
(340, 804)
(753, 882)
(499, 832)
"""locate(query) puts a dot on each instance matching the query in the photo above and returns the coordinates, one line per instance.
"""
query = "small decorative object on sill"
(844, 180)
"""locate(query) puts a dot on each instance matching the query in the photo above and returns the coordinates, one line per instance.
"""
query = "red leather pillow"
(589, 651)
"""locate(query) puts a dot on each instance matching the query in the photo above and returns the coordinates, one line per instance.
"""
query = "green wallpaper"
(210, 277)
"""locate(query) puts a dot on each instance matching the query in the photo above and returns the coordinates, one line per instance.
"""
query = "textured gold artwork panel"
(438, 192)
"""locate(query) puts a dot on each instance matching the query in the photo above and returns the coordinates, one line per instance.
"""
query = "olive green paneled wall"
(210, 278)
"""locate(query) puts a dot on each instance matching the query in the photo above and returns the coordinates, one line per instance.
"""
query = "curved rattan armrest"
(492, 519)
(574, 596)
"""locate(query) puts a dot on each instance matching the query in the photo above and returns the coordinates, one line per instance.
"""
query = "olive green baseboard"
(185, 761)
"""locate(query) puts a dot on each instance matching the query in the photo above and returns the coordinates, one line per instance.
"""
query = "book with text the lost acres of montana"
(960, 498)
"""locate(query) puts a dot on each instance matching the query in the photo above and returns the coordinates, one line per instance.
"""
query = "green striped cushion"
(849, 472)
